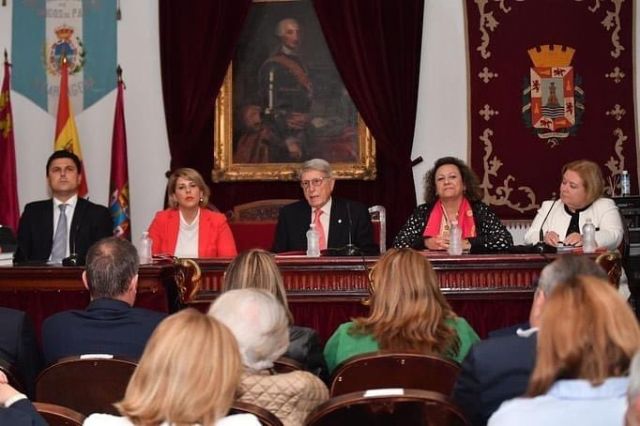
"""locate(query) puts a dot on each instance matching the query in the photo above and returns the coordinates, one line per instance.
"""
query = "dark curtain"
(376, 47)
(197, 40)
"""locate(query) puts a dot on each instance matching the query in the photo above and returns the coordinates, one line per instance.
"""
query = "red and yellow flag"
(66, 131)
(9, 209)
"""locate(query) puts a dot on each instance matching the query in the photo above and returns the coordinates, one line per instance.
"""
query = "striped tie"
(59, 249)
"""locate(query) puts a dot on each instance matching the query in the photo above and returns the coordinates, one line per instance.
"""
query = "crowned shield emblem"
(553, 100)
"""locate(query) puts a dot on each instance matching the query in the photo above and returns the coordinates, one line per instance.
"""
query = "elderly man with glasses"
(344, 226)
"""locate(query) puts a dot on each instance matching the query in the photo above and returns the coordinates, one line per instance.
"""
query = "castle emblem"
(553, 102)
(65, 46)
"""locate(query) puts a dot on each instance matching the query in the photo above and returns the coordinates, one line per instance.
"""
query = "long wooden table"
(490, 291)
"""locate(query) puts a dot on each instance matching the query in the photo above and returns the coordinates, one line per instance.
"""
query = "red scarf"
(465, 220)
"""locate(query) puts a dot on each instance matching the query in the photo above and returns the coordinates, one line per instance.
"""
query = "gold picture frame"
(350, 149)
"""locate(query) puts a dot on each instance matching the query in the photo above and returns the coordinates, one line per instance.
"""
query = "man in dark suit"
(338, 221)
(498, 369)
(84, 222)
(15, 408)
(110, 324)
(18, 346)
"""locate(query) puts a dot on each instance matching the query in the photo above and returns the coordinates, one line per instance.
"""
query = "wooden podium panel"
(490, 291)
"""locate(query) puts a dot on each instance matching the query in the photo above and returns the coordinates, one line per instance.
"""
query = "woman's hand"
(551, 238)
(436, 243)
(573, 239)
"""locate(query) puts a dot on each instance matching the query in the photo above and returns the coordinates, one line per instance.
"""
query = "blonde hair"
(587, 332)
(591, 176)
(190, 175)
(188, 373)
(408, 311)
(256, 268)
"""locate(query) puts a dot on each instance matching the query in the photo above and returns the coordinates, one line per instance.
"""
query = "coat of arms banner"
(551, 81)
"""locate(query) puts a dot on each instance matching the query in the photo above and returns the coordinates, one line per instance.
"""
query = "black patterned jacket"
(491, 233)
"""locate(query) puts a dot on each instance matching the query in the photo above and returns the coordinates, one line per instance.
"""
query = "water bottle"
(455, 239)
(313, 242)
(589, 237)
(144, 248)
(625, 184)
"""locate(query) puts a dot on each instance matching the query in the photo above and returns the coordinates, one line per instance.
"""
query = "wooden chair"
(611, 262)
(254, 224)
(91, 384)
(57, 415)
(395, 370)
(12, 375)
(286, 365)
(383, 407)
(266, 418)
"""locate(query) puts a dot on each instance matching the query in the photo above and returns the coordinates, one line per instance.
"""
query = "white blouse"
(109, 420)
(187, 244)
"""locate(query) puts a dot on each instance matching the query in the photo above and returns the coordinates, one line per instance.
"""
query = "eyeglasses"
(315, 182)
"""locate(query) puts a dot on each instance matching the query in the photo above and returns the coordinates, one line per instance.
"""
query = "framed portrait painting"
(283, 102)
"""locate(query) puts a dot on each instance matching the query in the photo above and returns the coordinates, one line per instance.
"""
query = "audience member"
(632, 416)
(260, 325)
(498, 369)
(587, 338)
(187, 228)
(18, 346)
(338, 221)
(15, 408)
(188, 375)
(65, 225)
(257, 269)
(408, 312)
(110, 324)
(560, 222)
(453, 195)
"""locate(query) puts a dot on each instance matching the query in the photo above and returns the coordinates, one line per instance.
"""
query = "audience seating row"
(421, 387)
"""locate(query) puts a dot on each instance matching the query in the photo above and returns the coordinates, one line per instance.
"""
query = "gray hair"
(566, 268)
(317, 164)
(111, 265)
(633, 391)
(259, 323)
(282, 23)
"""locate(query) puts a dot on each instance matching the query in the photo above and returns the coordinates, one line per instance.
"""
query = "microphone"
(541, 236)
(73, 259)
(351, 249)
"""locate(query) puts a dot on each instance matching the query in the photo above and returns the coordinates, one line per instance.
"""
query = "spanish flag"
(66, 132)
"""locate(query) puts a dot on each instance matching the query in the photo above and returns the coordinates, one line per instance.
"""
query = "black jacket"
(90, 223)
(348, 218)
(492, 235)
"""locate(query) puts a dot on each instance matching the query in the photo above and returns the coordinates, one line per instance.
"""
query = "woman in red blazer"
(187, 228)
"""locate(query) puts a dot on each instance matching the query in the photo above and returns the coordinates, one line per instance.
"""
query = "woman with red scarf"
(453, 194)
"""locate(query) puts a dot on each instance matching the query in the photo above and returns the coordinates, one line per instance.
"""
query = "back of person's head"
(566, 268)
(632, 416)
(256, 268)
(111, 265)
(259, 323)
(408, 311)
(188, 373)
(587, 332)
(63, 153)
(317, 164)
